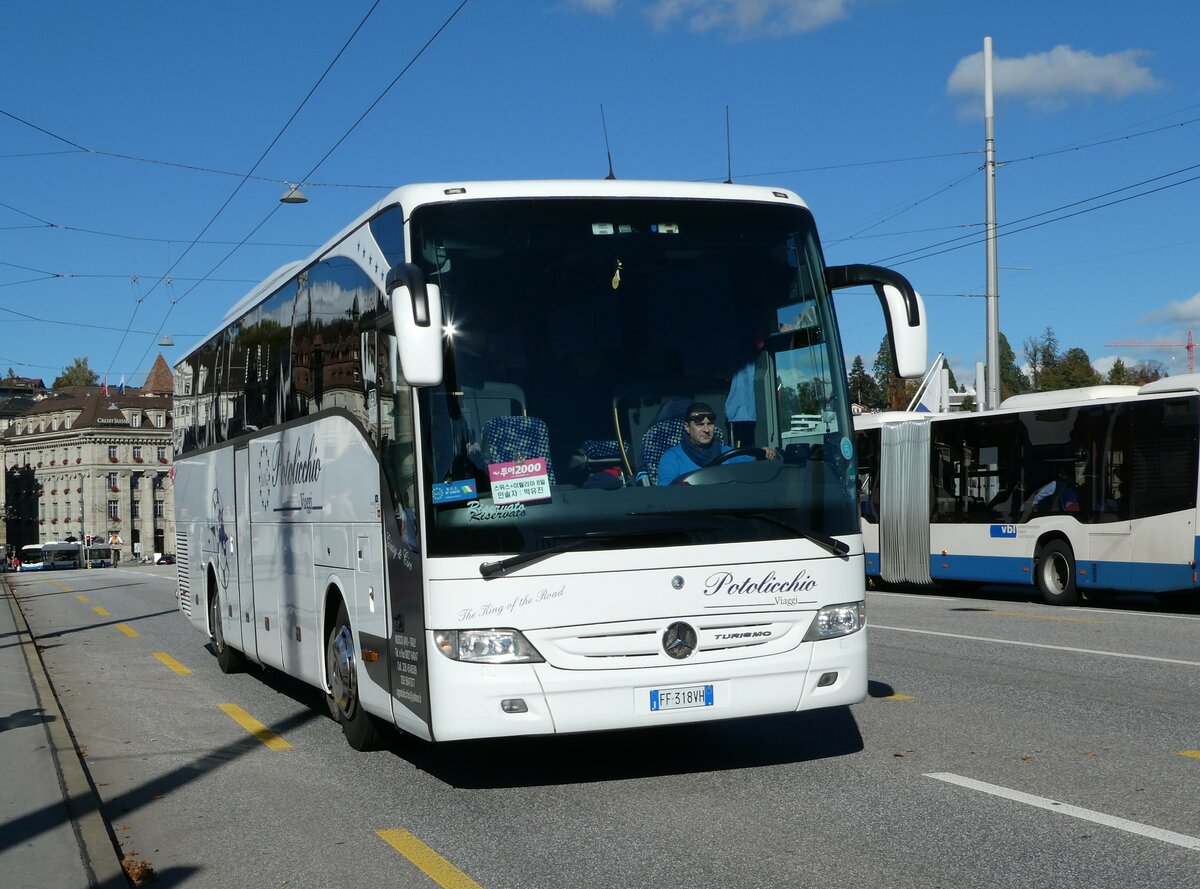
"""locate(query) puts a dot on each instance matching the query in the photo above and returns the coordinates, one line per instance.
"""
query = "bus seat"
(508, 439)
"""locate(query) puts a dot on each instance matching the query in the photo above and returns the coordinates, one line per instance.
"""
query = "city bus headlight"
(837, 620)
(486, 646)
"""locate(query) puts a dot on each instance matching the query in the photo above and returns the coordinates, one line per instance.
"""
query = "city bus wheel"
(230, 660)
(341, 665)
(1055, 574)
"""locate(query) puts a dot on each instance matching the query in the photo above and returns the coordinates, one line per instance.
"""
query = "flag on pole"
(121, 385)
(104, 388)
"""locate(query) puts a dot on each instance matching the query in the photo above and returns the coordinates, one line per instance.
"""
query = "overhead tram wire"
(1008, 230)
(315, 167)
(238, 188)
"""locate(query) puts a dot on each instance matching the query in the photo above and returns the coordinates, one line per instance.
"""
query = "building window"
(136, 419)
(112, 452)
(134, 512)
(114, 509)
(160, 420)
(162, 453)
(159, 509)
(134, 481)
(112, 479)
(137, 452)
(158, 482)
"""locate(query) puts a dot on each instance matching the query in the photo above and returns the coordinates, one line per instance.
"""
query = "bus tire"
(1054, 574)
(341, 667)
(230, 660)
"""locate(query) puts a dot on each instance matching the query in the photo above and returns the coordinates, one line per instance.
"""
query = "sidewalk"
(51, 831)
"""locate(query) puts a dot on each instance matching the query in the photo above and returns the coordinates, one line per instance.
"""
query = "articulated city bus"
(418, 469)
(1071, 491)
(31, 557)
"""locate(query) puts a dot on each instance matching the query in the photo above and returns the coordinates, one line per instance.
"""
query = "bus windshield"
(577, 334)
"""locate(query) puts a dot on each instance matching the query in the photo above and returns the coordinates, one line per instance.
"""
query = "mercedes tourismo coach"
(418, 469)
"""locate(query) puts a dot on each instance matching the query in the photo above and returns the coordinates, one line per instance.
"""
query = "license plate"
(681, 698)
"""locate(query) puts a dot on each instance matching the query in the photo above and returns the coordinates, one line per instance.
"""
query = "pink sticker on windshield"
(520, 480)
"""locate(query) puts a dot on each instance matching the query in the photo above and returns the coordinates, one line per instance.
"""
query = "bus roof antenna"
(728, 150)
(607, 150)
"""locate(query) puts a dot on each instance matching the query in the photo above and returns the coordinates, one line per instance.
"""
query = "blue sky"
(125, 128)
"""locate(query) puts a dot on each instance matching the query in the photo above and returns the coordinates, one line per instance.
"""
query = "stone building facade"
(83, 462)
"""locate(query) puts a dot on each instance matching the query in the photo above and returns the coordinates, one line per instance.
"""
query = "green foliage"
(78, 374)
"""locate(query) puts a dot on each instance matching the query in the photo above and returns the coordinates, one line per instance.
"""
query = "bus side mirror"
(417, 315)
(903, 309)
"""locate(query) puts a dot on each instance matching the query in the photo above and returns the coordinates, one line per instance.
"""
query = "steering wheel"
(756, 453)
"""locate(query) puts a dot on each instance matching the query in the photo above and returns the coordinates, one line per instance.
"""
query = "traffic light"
(88, 539)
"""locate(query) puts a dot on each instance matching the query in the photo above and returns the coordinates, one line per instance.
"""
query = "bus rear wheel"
(1054, 574)
(341, 666)
(230, 660)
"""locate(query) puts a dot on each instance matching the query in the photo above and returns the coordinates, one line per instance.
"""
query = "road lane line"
(1041, 802)
(103, 612)
(1078, 620)
(173, 664)
(1101, 652)
(128, 631)
(82, 598)
(428, 861)
(1194, 754)
(254, 727)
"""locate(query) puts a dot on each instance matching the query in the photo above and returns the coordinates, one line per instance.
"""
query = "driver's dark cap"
(698, 411)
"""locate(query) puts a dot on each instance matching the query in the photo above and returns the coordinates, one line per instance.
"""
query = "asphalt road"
(1004, 743)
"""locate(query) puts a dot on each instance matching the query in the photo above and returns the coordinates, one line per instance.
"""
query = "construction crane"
(1189, 345)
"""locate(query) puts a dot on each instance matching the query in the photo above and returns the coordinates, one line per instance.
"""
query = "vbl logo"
(1004, 530)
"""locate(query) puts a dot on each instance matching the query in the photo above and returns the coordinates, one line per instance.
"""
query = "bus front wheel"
(230, 660)
(341, 667)
(1055, 574)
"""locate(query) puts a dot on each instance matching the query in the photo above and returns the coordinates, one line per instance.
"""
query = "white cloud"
(1050, 79)
(742, 18)
(1181, 311)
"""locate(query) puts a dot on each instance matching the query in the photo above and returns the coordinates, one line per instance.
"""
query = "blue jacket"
(675, 463)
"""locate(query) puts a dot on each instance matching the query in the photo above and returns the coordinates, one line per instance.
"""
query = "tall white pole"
(993, 296)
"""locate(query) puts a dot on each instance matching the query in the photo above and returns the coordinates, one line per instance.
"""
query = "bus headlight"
(837, 620)
(486, 646)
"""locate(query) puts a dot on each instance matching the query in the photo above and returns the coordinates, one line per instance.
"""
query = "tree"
(1147, 372)
(1012, 381)
(1070, 370)
(863, 388)
(78, 374)
(1118, 374)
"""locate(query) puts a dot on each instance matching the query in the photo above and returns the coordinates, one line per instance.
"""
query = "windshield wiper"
(507, 565)
(831, 545)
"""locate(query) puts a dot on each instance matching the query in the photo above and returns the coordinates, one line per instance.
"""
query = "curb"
(97, 845)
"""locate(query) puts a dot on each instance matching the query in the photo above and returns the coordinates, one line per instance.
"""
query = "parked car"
(166, 559)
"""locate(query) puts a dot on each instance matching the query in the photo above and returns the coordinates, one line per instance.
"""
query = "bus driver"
(697, 449)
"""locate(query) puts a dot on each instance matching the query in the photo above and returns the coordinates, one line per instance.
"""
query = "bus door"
(1106, 500)
(243, 599)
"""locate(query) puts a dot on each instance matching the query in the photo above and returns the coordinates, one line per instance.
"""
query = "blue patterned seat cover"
(506, 439)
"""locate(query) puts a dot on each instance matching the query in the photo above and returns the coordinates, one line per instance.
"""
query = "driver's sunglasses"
(702, 418)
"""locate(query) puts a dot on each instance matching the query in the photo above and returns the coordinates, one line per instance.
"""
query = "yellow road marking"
(1194, 754)
(62, 586)
(1077, 620)
(128, 631)
(429, 862)
(172, 663)
(254, 727)
(103, 612)
(82, 598)
(898, 697)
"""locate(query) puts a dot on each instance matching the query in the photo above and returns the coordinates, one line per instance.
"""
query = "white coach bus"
(418, 469)
(1070, 492)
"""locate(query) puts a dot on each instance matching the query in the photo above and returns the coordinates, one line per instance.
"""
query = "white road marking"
(1041, 802)
(1101, 652)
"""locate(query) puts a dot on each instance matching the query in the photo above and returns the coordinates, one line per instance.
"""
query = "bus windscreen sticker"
(520, 480)
(451, 492)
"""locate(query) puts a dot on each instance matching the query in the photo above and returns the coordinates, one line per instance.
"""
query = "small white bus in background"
(1070, 491)
(412, 469)
(100, 555)
(30, 557)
